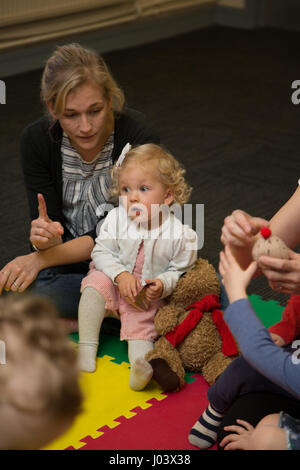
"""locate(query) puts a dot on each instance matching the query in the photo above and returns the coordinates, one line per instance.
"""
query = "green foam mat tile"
(269, 311)
(110, 345)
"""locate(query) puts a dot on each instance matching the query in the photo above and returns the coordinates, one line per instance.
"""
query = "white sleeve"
(105, 254)
(184, 258)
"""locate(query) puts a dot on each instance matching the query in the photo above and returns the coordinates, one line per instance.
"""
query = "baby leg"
(90, 316)
(204, 432)
(141, 371)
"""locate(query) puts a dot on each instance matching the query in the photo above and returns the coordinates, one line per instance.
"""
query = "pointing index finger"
(42, 208)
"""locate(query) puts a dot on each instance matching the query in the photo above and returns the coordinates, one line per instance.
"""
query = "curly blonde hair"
(169, 170)
(40, 375)
(69, 67)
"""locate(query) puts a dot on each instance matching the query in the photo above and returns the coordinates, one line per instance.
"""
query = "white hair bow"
(123, 154)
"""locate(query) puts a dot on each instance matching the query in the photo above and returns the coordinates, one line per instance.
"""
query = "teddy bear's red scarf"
(209, 303)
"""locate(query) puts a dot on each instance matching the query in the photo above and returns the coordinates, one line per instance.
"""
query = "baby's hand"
(128, 284)
(235, 279)
(277, 339)
(154, 289)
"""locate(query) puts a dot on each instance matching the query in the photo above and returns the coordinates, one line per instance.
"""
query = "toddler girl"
(142, 248)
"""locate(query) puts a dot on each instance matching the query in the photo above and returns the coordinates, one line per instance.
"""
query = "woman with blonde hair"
(67, 157)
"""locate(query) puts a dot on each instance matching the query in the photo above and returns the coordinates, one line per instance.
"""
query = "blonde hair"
(40, 374)
(169, 171)
(69, 67)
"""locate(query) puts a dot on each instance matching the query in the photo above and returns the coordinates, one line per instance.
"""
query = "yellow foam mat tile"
(107, 396)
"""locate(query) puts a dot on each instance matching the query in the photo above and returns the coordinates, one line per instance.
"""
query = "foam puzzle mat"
(114, 417)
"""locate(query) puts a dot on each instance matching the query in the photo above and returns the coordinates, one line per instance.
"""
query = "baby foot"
(140, 375)
(87, 356)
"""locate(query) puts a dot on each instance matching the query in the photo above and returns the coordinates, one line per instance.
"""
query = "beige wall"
(232, 3)
(27, 22)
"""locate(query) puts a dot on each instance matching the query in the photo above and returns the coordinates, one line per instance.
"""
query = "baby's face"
(142, 192)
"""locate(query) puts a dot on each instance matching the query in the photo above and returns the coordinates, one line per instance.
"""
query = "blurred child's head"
(39, 388)
(149, 175)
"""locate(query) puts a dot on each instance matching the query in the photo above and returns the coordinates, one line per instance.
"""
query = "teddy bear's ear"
(195, 284)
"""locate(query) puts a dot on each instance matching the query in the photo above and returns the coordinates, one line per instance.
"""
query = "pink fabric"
(134, 323)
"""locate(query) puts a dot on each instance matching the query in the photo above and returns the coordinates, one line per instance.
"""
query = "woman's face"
(87, 119)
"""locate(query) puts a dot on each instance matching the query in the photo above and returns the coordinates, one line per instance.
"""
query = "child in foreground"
(266, 365)
(141, 246)
(39, 389)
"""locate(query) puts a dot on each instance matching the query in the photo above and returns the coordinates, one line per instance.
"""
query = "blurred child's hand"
(129, 286)
(154, 289)
(235, 279)
(277, 339)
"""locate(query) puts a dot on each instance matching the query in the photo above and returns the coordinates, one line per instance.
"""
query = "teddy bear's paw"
(141, 373)
(164, 375)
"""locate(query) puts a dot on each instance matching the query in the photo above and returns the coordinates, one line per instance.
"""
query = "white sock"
(87, 353)
(140, 374)
(141, 371)
(90, 316)
(204, 432)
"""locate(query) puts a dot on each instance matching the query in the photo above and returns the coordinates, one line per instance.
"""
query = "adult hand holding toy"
(240, 231)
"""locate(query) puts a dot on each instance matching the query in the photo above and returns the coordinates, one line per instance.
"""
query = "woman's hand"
(240, 228)
(129, 286)
(234, 278)
(154, 289)
(19, 273)
(44, 232)
(283, 274)
(241, 439)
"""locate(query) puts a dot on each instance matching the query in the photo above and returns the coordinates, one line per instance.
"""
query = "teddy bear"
(192, 333)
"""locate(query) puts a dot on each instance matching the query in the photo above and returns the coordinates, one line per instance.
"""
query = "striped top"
(85, 186)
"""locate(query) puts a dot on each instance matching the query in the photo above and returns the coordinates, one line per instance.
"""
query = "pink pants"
(135, 324)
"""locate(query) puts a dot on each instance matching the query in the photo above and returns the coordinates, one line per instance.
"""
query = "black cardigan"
(42, 161)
